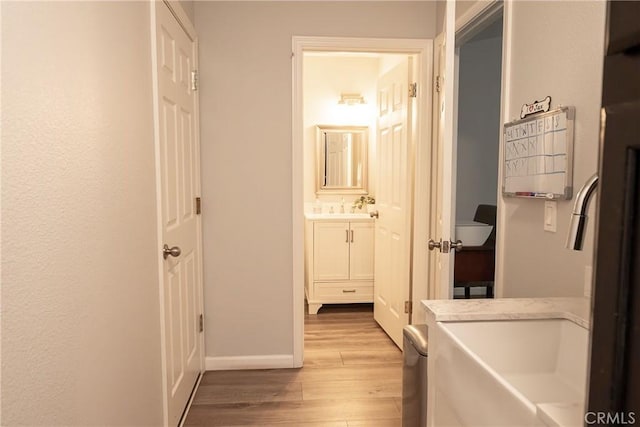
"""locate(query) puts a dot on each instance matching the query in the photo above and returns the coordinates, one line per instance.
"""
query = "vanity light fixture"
(351, 99)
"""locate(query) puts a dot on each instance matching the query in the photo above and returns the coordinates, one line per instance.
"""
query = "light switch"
(588, 281)
(550, 215)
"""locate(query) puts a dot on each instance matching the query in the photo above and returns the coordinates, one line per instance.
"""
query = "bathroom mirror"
(341, 159)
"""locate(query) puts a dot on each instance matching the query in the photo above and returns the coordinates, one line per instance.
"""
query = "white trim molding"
(423, 50)
(268, 361)
(473, 12)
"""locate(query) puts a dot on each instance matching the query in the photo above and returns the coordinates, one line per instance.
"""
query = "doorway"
(351, 50)
(479, 77)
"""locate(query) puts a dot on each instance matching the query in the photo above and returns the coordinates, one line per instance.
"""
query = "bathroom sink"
(316, 216)
(507, 372)
(472, 233)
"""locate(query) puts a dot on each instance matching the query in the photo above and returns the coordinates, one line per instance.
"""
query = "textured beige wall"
(245, 105)
(188, 7)
(80, 316)
(557, 50)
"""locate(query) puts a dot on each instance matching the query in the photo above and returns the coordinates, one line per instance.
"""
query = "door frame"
(184, 21)
(423, 50)
(470, 19)
(473, 20)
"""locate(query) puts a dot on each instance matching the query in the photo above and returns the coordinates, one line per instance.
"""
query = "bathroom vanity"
(339, 253)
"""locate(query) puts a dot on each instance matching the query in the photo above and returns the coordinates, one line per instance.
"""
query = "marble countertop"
(576, 309)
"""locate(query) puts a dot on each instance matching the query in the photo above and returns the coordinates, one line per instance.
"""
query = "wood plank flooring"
(352, 376)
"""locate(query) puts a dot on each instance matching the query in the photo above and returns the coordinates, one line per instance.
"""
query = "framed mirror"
(341, 159)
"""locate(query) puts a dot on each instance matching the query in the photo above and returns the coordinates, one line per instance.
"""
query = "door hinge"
(438, 84)
(198, 206)
(408, 307)
(413, 90)
(194, 80)
(201, 323)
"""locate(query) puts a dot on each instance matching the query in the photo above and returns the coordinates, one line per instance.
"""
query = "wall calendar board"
(538, 156)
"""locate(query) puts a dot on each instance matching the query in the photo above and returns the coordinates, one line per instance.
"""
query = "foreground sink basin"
(493, 373)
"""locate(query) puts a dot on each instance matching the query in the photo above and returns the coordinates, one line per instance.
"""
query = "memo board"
(538, 156)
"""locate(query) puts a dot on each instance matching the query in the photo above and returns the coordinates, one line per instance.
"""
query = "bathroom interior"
(340, 162)
(341, 101)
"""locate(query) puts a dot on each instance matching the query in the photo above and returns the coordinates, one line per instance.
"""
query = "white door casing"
(422, 49)
(178, 184)
(393, 201)
(441, 275)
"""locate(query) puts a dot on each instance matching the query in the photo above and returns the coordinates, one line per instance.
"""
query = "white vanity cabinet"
(339, 261)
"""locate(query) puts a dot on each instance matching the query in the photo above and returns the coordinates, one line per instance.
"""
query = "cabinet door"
(361, 237)
(331, 251)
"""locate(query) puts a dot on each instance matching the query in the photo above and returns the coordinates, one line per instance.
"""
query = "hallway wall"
(245, 105)
(557, 49)
(80, 303)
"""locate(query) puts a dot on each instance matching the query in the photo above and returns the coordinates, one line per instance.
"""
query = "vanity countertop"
(576, 309)
(337, 216)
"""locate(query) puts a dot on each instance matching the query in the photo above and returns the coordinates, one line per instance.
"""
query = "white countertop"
(576, 309)
(337, 216)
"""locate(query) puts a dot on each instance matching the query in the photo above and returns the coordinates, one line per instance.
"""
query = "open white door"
(393, 201)
(443, 166)
(178, 160)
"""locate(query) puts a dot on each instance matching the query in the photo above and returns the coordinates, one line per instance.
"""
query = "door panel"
(179, 185)
(361, 251)
(331, 251)
(392, 236)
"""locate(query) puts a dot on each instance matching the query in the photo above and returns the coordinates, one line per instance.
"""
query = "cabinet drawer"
(344, 291)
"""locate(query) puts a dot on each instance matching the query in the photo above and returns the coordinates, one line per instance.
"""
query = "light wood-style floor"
(352, 376)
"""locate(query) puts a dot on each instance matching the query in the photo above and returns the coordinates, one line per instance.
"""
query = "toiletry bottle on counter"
(317, 208)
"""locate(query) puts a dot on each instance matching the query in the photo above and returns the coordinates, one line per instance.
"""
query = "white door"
(441, 260)
(179, 185)
(393, 202)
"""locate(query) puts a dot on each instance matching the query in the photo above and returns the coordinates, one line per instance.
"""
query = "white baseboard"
(269, 361)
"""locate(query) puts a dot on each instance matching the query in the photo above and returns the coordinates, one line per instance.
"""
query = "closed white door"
(179, 186)
(393, 202)
(331, 251)
(361, 251)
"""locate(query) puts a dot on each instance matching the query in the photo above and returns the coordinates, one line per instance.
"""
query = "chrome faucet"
(578, 223)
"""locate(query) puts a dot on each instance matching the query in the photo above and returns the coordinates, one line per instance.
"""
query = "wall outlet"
(550, 216)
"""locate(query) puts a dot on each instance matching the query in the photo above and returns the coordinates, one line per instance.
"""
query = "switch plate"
(588, 281)
(550, 216)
